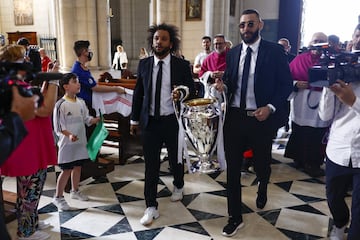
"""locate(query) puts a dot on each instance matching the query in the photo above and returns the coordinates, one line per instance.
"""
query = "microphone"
(40, 77)
(47, 76)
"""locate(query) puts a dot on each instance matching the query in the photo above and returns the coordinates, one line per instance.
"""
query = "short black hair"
(251, 11)
(333, 39)
(66, 79)
(173, 32)
(23, 41)
(80, 45)
(206, 37)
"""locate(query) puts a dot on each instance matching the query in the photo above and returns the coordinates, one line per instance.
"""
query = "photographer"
(12, 129)
(341, 103)
(29, 162)
(12, 132)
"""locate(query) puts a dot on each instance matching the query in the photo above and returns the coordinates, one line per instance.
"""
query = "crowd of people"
(264, 83)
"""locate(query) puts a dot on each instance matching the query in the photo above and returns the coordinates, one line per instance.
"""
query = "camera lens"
(24, 88)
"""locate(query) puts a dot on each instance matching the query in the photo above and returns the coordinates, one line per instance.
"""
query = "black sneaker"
(261, 200)
(231, 228)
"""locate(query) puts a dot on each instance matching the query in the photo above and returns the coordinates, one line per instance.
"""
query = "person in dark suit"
(287, 47)
(257, 91)
(155, 112)
(32, 54)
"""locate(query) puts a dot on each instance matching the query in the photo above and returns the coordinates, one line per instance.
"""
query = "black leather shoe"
(261, 195)
(261, 200)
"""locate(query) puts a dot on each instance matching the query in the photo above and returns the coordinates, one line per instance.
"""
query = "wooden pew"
(120, 134)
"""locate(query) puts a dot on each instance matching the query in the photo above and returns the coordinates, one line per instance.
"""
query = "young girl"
(70, 114)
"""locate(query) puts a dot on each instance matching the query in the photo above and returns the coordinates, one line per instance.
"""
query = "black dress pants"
(155, 135)
(241, 132)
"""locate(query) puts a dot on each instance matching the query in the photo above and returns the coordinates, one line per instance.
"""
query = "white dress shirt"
(344, 138)
(166, 103)
(250, 94)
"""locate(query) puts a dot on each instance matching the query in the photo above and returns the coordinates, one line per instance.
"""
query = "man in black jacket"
(153, 109)
(258, 82)
(32, 54)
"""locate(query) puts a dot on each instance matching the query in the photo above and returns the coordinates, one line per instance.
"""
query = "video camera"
(334, 65)
(9, 77)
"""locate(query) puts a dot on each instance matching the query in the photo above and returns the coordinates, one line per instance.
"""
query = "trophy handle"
(184, 93)
(220, 98)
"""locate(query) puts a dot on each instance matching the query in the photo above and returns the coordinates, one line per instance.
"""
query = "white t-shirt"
(71, 116)
(199, 59)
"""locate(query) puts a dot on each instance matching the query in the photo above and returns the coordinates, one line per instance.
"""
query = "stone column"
(83, 20)
(103, 21)
(66, 20)
(91, 29)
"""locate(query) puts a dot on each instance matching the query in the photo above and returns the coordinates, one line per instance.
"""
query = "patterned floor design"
(296, 207)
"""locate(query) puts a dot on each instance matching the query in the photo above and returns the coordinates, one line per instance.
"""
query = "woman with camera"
(14, 109)
(29, 162)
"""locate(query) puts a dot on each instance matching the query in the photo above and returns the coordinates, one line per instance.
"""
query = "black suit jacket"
(35, 59)
(272, 81)
(180, 75)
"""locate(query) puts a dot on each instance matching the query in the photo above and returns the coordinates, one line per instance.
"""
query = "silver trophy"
(200, 120)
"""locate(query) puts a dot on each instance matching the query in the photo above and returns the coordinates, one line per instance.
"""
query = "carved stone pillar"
(80, 20)
(66, 31)
(103, 36)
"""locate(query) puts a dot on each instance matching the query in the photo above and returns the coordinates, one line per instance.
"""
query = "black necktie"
(158, 91)
(245, 78)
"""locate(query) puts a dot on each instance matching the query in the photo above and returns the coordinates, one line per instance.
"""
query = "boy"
(70, 114)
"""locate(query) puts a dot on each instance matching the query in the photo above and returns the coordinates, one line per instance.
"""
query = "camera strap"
(308, 101)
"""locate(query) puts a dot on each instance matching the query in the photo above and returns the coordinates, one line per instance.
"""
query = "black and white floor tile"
(296, 207)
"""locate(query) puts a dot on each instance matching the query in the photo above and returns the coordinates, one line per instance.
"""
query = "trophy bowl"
(200, 118)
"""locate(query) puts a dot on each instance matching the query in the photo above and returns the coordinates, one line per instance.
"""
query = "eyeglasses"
(219, 43)
(250, 24)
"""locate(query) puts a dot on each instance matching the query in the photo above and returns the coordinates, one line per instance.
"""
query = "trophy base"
(207, 167)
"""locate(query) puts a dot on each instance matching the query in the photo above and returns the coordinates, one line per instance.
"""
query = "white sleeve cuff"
(356, 105)
(134, 122)
(272, 108)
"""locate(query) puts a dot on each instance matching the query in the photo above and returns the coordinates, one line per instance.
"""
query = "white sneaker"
(150, 214)
(43, 225)
(177, 194)
(78, 195)
(337, 233)
(38, 235)
(61, 204)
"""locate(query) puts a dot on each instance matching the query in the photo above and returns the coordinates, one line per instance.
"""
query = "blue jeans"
(338, 180)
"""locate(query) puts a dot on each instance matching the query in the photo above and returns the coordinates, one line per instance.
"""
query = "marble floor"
(296, 207)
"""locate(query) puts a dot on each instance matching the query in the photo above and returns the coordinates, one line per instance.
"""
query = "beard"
(161, 53)
(356, 46)
(250, 39)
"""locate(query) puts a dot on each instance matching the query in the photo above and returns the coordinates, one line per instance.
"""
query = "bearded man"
(257, 82)
(153, 109)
